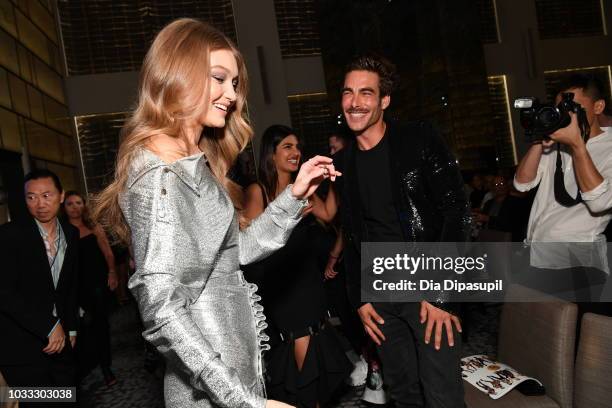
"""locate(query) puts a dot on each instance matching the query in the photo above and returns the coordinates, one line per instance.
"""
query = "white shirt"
(56, 251)
(549, 221)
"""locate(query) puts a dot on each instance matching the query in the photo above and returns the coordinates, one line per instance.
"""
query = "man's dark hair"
(44, 173)
(377, 64)
(590, 85)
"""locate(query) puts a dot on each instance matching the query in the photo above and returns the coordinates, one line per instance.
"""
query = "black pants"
(93, 340)
(337, 299)
(417, 374)
(56, 371)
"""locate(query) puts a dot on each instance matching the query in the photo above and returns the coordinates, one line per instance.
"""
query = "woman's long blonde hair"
(173, 91)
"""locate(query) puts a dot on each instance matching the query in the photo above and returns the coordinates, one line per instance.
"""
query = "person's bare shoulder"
(253, 201)
(253, 188)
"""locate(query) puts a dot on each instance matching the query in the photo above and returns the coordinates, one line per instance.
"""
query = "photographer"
(582, 169)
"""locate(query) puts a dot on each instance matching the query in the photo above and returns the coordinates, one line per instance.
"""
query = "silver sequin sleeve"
(176, 244)
(271, 229)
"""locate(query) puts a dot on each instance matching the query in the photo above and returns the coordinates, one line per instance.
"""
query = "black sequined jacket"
(427, 190)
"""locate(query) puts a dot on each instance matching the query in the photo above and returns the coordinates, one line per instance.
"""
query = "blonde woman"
(171, 189)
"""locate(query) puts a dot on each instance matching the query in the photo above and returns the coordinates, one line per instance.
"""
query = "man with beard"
(400, 184)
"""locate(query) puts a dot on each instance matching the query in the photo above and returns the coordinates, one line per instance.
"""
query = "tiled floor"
(136, 387)
(139, 388)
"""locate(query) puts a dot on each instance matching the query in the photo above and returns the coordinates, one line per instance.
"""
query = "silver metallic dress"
(196, 307)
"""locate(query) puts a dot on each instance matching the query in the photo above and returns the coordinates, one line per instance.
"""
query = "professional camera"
(541, 120)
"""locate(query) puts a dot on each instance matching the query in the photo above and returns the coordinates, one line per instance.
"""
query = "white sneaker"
(373, 391)
(359, 374)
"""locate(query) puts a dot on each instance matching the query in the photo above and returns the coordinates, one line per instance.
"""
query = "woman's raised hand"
(311, 174)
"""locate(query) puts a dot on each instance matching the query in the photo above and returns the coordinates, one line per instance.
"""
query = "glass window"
(47, 4)
(19, 95)
(68, 149)
(43, 19)
(7, 17)
(553, 79)
(8, 52)
(57, 115)
(488, 21)
(66, 174)
(36, 104)
(67, 126)
(56, 57)
(5, 96)
(48, 80)
(9, 131)
(99, 139)
(22, 5)
(32, 37)
(24, 63)
(292, 15)
(564, 19)
(310, 116)
(500, 109)
(103, 36)
(43, 142)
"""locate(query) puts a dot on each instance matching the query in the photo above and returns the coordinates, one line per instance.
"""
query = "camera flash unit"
(524, 103)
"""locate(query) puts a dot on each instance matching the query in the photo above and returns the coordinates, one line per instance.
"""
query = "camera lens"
(548, 117)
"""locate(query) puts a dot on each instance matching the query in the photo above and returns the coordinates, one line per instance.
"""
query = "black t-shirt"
(378, 210)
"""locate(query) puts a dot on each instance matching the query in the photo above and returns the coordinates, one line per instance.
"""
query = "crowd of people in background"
(300, 289)
(299, 302)
(193, 231)
(497, 205)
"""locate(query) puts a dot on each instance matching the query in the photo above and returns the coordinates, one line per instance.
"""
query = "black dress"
(293, 295)
(93, 340)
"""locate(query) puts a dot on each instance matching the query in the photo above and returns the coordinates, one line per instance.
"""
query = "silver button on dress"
(195, 304)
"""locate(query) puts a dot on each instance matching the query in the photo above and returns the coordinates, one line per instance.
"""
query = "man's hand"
(371, 320)
(478, 216)
(439, 318)
(569, 135)
(57, 340)
(72, 341)
(113, 281)
(330, 273)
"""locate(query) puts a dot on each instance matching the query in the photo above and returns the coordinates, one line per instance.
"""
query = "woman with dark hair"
(306, 363)
(97, 277)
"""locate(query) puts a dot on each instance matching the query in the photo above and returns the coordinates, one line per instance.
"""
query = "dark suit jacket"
(427, 190)
(27, 294)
